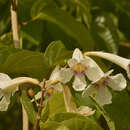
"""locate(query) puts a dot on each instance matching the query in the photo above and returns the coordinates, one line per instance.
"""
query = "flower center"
(79, 68)
(102, 82)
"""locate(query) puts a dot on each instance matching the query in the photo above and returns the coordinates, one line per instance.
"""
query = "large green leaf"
(28, 107)
(80, 124)
(119, 111)
(74, 29)
(56, 33)
(70, 121)
(56, 53)
(33, 32)
(24, 9)
(24, 62)
(55, 105)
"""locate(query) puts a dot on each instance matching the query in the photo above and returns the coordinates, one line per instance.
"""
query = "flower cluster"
(82, 67)
(79, 69)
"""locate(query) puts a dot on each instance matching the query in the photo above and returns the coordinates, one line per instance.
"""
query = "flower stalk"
(40, 106)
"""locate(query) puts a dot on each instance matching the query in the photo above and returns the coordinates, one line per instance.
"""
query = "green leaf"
(59, 117)
(56, 53)
(39, 5)
(28, 107)
(74, 29)
(52, 125)
(85, 11)
(56, 33)
(6, 40)
(24, 62)
(70, 121)
(24, 9)
(109, 121)
(55, 105)
(119, 110)
(80, 124)
(33, 32)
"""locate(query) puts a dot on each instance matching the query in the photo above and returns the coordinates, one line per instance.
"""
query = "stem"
(14, 21)
(110, 123)
(40, 107)
(25, 119)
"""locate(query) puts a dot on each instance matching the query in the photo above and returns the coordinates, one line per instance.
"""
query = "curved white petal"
(55, 74)
(4, 77)
(9, 86)
(93, 72)
(117, 82)
(122, 62)
(65, 75)
(77, 54)
(88, 91)
(79, 83)
(103, 96)
(72, 62)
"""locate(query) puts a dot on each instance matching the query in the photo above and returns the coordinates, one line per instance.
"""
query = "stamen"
(79, 69)
(102, 82)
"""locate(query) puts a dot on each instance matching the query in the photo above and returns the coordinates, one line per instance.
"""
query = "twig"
(40, 106)
(14, 21)
(125, 44)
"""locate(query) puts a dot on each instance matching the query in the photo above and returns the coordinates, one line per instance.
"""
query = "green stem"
(110, 123)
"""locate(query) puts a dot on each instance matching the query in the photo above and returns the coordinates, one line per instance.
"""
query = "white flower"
(99, 87)
(79, 66)
(85, 110)
(122, 62)
(9, 86)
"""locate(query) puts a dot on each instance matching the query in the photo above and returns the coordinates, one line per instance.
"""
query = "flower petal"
(79, 83)
(4, 103)
(55, 74)
(85, 110)
(88, 91)
(93, 72)
(4, 77)
(65, 75)
(103, 96)
(4, 100)
(77, 54)
(122, 62)
(9, 86)
(117, 82)
(58, 87)
(72, 62)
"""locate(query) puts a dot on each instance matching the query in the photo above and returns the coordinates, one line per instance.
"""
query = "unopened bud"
(30, 92)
